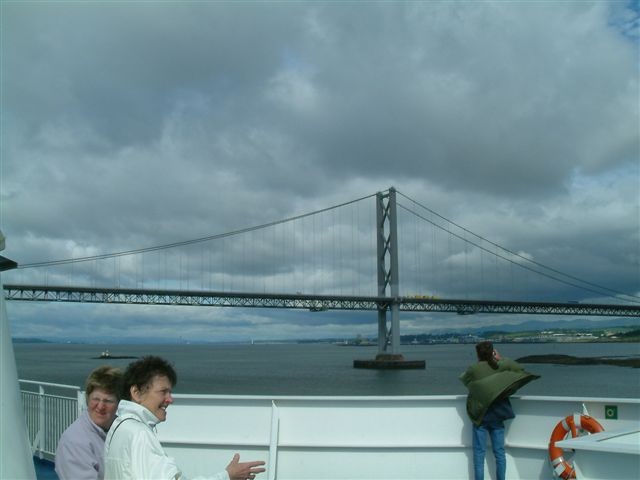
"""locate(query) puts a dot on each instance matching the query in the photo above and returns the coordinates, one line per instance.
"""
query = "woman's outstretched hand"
(244, 470)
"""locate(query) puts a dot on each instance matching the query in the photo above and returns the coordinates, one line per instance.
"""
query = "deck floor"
(44, 469)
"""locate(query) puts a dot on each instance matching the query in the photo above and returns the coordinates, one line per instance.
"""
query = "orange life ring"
(571, 424)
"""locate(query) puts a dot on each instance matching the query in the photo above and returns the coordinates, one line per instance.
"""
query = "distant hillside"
(630, 334)
(112, 341)
(485, 331)
(30, 340)
(537, 325)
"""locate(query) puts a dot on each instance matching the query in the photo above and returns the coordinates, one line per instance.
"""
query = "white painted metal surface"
(49, 408)
(15, 456)
(608, 455)
(370, 438)
(365, 437)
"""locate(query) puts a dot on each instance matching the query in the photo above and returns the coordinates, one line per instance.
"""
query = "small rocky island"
(633, 362)
(106, 355)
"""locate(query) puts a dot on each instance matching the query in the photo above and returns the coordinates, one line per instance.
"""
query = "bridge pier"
(388, 276)
(389, 361)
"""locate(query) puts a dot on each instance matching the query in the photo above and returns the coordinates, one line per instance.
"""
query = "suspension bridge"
(351, 256)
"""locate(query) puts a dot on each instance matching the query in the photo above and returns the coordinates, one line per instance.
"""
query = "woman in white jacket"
(133, 451)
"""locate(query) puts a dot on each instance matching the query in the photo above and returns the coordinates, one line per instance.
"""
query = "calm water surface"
(323, 369)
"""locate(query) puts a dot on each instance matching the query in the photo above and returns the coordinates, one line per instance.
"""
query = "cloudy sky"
(127, 125)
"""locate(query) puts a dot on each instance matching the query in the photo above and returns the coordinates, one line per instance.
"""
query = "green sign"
(611, 412)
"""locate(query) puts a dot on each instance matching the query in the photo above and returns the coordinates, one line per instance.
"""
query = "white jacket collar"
(128, 409)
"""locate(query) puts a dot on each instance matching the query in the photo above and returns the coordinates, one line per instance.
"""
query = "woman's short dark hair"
(142, 372)
(485, 353)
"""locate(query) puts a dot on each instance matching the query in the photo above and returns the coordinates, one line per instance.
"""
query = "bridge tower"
(388, 286)
(387, 260)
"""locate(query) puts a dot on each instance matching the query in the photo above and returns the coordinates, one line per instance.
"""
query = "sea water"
(327, 369)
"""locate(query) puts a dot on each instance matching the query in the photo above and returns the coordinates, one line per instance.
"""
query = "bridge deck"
(316, 303)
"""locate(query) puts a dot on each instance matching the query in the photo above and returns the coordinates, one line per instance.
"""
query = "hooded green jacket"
(486, 385)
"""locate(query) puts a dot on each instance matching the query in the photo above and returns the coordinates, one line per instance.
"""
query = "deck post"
(42, 422)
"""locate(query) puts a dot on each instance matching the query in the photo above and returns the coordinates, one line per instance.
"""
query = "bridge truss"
(314, 303)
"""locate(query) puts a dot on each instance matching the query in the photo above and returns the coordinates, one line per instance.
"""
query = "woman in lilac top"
(80, 454)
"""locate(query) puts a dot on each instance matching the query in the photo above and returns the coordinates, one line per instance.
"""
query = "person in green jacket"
(490, 382)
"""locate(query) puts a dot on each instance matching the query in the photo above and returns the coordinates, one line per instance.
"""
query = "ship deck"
(45, 469)
(399, 438)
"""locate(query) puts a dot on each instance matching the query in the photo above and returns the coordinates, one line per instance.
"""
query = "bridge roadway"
(314, 303)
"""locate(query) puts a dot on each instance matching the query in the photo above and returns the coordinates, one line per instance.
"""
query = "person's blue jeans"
(496, 432)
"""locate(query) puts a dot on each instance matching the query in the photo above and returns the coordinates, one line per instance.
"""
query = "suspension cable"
(514, 254)
(188, 242)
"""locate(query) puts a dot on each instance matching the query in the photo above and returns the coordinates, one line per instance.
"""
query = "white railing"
(367, 437)
(49, 408)
(338, 437)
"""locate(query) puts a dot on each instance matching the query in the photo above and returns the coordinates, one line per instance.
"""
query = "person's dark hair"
(486, 353)
(142, 372)
(106, 378)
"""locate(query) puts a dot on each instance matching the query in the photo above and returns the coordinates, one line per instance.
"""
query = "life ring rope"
(573, 425)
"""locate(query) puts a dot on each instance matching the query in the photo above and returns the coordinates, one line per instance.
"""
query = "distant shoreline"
(541, 334)
(35, 341)
(571, 360)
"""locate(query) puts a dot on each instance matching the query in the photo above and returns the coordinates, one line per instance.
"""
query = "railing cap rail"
(46, 384)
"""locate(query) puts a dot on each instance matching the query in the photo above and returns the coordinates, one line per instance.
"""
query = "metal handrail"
(47, 416)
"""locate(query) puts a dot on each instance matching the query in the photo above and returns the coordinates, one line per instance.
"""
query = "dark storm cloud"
(130, 125)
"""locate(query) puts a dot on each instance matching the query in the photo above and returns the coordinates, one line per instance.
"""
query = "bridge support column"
(388, 276)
